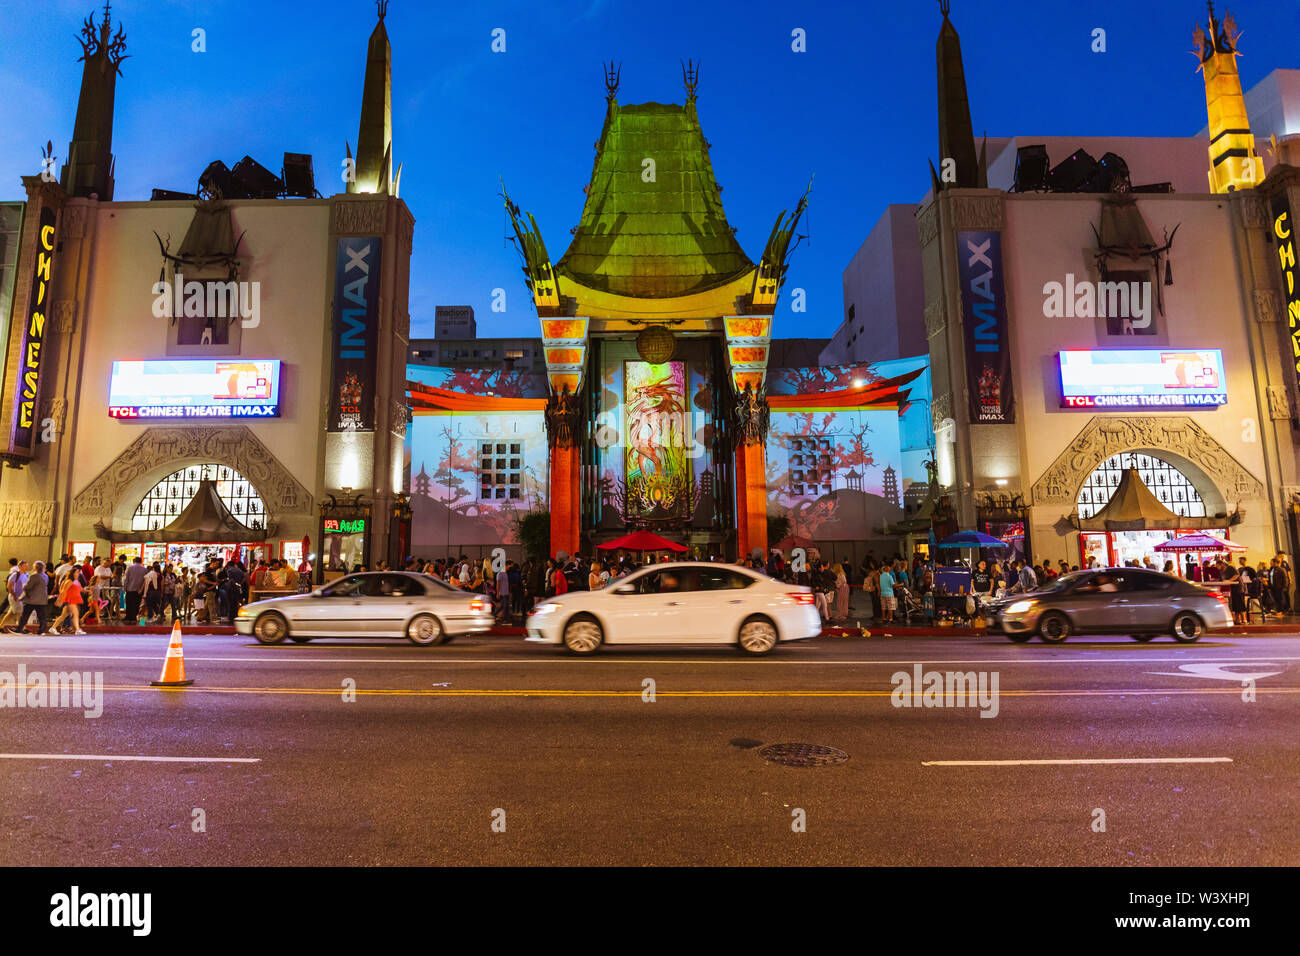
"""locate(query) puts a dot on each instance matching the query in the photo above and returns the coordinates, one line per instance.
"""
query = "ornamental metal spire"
(956, 137)
(1234, 164)
(89, 169)
(375, 137)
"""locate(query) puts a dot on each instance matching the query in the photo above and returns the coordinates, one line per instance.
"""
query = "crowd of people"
(61, 598)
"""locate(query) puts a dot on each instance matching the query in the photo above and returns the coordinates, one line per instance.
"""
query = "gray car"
(370, 604)
(1131, 601)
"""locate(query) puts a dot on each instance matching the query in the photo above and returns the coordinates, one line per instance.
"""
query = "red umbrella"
(643, 541)
(795, 541)
(306, 547)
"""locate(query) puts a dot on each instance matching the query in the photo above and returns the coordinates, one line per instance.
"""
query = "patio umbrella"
(642, 541)
(1199, 542)
(971, 539)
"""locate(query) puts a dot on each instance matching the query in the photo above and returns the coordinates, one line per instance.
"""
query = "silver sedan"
(1131, 601)
(369, 604)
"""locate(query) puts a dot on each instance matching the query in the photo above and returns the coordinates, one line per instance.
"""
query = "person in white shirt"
(63, 570)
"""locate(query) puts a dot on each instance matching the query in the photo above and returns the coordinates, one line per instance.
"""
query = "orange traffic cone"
(173, 672)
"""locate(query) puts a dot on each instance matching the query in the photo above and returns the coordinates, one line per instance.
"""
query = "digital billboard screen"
(1142, 378)
(218, 388)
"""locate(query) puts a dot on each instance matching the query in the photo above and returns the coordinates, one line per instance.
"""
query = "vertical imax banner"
(1284, 236)
(355, 342)
(23, 434)
(984, 316)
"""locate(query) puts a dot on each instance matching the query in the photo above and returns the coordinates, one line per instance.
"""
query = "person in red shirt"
(70, 594)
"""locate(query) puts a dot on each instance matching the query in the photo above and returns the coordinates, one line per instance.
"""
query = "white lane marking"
(641, 661)
(1218, 672)
(110, 758)
(1086, 760)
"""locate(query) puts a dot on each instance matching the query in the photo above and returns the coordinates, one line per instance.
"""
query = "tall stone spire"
(956, 139)
(89, 169)
(375, 139)
(1233, 161)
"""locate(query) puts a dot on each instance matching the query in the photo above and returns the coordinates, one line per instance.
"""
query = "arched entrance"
(152, 481)
(1169, 484)
(1183, 466)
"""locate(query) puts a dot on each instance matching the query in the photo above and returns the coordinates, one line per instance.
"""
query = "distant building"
(796, 353)
(521, 354)
(884, 297)
(454, 322)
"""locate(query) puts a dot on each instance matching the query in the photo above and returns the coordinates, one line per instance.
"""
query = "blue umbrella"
(971, 539)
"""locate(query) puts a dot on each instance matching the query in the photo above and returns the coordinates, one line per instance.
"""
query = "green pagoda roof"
(659, 239)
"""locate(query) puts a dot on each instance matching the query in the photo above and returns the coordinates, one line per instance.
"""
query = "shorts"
(888, 602)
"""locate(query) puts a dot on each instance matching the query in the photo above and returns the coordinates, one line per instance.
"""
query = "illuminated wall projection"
(470, 474)
(842, 474)
(657, 469)
(656, 439)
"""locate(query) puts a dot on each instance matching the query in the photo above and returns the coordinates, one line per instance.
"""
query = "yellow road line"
(537, 692)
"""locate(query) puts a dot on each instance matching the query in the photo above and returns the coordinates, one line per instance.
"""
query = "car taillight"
(1223, 598)
(477, 604)
(802, 597)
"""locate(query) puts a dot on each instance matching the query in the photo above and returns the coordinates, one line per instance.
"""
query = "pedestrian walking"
(36, 599)
(70, 596)
(133, 582)
(14, 595)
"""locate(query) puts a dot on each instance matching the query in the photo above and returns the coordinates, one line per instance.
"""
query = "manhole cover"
(802, 755)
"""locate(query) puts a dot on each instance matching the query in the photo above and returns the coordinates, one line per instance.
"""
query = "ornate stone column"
(563, 429)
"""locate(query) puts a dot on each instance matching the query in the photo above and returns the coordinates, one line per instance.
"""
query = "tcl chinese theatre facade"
(657, 408)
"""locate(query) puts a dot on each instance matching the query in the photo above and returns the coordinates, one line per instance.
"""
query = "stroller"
(908, 604)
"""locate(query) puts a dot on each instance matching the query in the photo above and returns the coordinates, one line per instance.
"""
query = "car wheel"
(425, 630)
(1187, 628)
(299, 640)
(271, 628)
(582, 635)
(1142, 638)
(758, 636)
(1020, 638)
(1054, 627)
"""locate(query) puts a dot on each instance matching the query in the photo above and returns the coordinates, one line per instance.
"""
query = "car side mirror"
(625, 589)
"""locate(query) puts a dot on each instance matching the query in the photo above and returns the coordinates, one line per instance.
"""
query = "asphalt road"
(442, 743)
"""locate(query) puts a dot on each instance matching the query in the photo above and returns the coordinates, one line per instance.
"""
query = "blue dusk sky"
(857, 109)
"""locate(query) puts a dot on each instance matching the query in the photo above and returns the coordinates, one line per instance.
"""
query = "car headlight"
(244, 612)
(1020, 607)
(545, 609)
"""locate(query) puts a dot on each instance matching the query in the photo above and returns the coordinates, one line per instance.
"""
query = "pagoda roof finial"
(612, 76)
(690, 77)
(944, 6)
(382, 7)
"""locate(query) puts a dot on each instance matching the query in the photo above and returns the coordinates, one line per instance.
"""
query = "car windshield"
(1063, 582)
(346, 587)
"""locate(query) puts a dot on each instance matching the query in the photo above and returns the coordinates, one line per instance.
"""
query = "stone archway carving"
(159, 451)
(1178, 435)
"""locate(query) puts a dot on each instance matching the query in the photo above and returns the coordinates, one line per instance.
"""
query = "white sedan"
(680, 603)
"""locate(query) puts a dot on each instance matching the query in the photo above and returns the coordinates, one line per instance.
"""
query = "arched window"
(1170, 486)
(170, 496)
